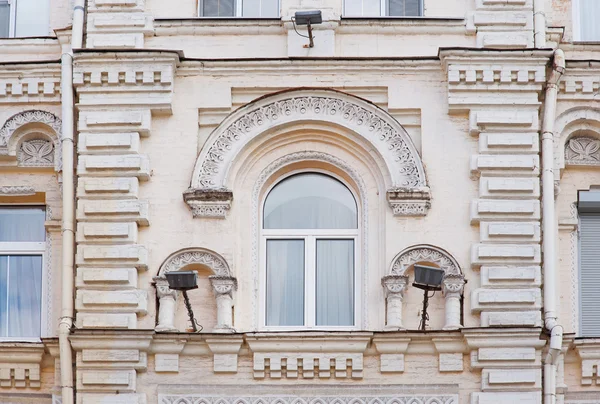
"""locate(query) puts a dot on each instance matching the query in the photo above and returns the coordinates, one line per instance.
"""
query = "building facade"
(302, 184)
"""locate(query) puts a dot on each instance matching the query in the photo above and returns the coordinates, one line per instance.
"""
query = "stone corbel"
(211, 203)
(166, 354)
(451, 352)
(394, 287)
(452, 287)
(391, 348)
(223, 287)
(167, 302)
(225, 353)
(588, 350)
(409, 201)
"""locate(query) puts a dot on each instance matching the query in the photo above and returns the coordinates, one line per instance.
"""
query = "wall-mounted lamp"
(429, 279)
(307, 18)
(184, 281)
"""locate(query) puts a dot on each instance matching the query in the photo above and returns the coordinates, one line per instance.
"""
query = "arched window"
(309, 238)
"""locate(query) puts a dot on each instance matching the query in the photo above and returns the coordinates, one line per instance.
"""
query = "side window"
(383, 8)
(585, 20)
(24, 18)
(589, 263)
(310, 239)
(22, 245)
(239, 8)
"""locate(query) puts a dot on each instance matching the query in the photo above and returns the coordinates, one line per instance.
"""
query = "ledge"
(409, 201)
(23, 50)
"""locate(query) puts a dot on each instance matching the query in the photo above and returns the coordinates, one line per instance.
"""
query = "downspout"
(549, 230)
(539, 24)
(68, 202)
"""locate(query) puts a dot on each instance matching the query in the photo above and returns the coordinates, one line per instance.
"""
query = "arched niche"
(222, 282)
(33, 138)
(211, 193)
(577, 131)
(397, 281)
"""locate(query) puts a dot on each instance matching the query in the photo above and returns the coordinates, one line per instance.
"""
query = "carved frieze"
(289, 399)
(196, 256)
(582, 151)
(17, 191)
(208, 203)
(23, 118)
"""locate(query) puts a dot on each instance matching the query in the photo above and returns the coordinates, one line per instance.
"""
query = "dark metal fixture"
(184, 281)
(307, 18)
(429, 279)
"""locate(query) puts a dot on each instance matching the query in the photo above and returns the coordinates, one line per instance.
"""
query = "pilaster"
(117, 95)
(117, 24)
(500, 90)
(502, 24)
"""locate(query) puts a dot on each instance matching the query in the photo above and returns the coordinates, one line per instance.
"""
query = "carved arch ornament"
(577, 135)
(408, 194)
(396, 283)
(222, 281)
(43, 150)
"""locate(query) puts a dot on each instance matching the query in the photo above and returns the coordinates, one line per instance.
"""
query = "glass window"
(585, 20)
(5, 19)
(22, 246)
(310, 231)
(382, 8)
(24, 18)
(239, 8)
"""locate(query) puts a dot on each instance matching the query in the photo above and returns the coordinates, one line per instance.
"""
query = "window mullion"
(7, 292)
(310, 284)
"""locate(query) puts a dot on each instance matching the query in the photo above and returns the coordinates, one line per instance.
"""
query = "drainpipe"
(539, 24)
(549, 230)
(68, 202)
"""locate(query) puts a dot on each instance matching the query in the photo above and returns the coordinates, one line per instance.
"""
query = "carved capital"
(162, 288)
(453, 284)
(208, 202)
(394, 285)
(223, 285)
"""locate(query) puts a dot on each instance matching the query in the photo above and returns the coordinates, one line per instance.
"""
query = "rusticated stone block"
(112, 255)
(509, 187)
(114, 188)
(114, 211)
(504, 210)
(107, 320)
(127, 165)
(123, 120)
(107, 233)
(505, 299)
(90, 143)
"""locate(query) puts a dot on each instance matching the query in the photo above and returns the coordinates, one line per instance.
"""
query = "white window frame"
(385, 10)
(238, 10)
(30, 248)
(310, 237)
(13, 17)
(576, 21)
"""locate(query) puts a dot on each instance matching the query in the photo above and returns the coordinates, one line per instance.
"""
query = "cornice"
(301, 66)
(139, 79)
(30, 82)
(581, 81)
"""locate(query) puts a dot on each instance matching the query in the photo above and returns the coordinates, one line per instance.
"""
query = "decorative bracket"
(409, 201)
(208, 202)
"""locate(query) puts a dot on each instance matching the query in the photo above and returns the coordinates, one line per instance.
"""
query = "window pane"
(589, 10)
(21, 284)
(22, 224)
(335, 282)
(285, 282)
(3, 295)
(310, 201)
(362, 8)
(33, 18)
(4, 20)
(260, 8)
(404, 8)
(218, 8)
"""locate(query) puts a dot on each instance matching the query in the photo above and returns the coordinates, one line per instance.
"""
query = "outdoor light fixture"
(307, 18)
(429, 279)
(184, 281)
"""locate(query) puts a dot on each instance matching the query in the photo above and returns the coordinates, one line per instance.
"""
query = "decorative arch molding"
(222, 281)
(577, 132)
(396, 283)
(200, 256)
(34, 138)
(210, 195)
(424, 253)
